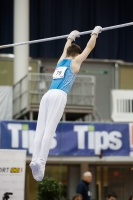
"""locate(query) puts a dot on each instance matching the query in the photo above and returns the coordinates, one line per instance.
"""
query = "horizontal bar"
(63, 36)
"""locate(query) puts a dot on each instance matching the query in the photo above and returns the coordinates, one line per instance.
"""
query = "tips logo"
(27, 136)
(95, 140)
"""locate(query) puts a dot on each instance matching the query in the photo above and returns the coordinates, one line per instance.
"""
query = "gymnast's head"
(73, 51)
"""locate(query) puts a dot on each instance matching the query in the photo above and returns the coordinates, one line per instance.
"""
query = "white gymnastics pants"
(51, 108)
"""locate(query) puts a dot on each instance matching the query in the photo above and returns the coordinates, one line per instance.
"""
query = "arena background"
(50, 18)
(55, 18)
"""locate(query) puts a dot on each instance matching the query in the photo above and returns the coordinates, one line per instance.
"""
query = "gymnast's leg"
(40, 129)
(56, 104)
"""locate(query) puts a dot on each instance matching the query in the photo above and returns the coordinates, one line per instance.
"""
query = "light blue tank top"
(67, 81)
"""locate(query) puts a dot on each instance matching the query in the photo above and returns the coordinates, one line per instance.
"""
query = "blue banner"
(70, 139)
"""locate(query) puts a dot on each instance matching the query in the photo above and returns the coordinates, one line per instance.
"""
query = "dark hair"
(108, 195)
(131, 197)
(77, 195)
(73, 50)
(114, 195)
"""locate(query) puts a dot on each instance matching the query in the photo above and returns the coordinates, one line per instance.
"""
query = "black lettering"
(58, 73)
(4, 169)
(7, 169)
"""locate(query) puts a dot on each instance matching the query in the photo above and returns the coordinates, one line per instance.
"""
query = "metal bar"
(63, 36)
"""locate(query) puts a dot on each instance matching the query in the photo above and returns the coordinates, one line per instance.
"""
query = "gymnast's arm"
(71, 37)
(89, 47)
(68, 44)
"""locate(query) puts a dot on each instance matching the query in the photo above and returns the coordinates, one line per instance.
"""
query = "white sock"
(36, 171)
(41, 169)
(37, 168)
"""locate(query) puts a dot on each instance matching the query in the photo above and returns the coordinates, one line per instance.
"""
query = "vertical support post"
(21, 34)
(64, 117)
(116, 76)
(31, 115)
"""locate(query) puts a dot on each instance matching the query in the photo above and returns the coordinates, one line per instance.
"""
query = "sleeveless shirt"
(63, 77)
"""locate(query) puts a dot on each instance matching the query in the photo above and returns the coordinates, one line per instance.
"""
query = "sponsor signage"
(11, 169)
(72, 139)
(12, 173)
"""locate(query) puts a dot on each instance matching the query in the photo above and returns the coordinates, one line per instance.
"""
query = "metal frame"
(85, 103)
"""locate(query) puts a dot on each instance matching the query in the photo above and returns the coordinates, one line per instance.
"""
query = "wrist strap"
(71, 36)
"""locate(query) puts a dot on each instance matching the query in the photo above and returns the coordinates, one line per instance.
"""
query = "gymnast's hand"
(96, 30)
(73, 35)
